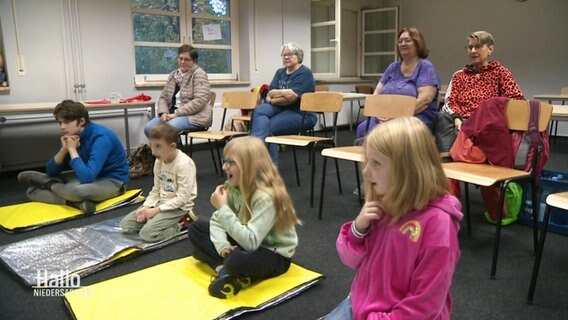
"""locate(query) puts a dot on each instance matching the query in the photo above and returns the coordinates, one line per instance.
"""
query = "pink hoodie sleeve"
(351, 249)
(431, 280)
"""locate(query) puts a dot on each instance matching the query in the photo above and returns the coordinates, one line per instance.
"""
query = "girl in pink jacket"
(404, 242)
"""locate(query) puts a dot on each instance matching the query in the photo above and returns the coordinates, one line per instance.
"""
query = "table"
(47, 107)
(559, 113)
(552, 97)
(352, 96)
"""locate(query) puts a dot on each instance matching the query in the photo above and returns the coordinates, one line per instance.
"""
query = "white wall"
(108, 55)
(530, 40)
(530, 37)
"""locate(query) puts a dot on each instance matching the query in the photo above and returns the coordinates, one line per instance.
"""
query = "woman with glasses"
(184, 103)
(478, 81)
(281, 113)
(412, 75)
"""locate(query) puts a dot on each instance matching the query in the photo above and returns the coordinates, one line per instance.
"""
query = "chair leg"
(296, 165)
(535, 208)
(190, 147)
(467, 212)
(313, 174)
(538, 257)
(322, 188)
(359, 184)
(186, 145)
(218, 154)
(320, 210)
(498, 229)
(213, 158)
(338, 175)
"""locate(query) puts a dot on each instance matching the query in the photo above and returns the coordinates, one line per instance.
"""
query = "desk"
(552, 97)
(559, 113)
(47, 107)
(352, 96)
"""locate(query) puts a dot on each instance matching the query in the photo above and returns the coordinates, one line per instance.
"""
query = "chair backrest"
(564, 90)
(389, 106)
(243, 100)
(364, 88)
(212, 98)
(321, 102)
(517, 113)
(322, 87)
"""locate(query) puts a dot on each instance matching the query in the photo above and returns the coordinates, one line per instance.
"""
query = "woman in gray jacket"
(184, 103)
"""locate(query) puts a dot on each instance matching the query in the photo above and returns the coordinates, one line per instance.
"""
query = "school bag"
(141, 161)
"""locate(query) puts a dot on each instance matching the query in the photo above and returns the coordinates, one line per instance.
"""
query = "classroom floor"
(475, 296)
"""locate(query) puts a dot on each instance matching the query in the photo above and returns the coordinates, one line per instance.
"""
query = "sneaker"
(35, 178)
(88, 207)
(186, 220)
(227, 286)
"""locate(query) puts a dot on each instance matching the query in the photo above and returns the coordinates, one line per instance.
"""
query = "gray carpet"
(475, 296)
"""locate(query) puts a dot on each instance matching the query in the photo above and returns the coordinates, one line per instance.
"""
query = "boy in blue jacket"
(92, 151)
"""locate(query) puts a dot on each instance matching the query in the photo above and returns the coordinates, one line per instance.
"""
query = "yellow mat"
(178, 290)
(32, 215)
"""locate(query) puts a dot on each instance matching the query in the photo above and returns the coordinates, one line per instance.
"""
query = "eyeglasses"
(184, 59)
(476, 47)
(405, 41)
(286, 55)
(228, 162)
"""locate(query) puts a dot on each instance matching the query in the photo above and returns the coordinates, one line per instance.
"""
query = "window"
(379, 37)
(349, 41)
(161, 26)
(325, 45)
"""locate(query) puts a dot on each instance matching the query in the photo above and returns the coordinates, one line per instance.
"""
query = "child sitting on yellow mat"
(168, 209)
(96, 156)
(252, 235)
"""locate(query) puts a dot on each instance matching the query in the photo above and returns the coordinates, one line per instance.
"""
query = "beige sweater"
(175, 185)
(194, 97)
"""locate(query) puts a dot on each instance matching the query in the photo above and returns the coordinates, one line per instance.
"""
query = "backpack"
(140, 161)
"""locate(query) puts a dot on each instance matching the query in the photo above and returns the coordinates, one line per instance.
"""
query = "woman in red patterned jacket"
(478, 81)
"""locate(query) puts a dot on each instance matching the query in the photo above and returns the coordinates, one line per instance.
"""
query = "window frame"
(337, 40)
(363, 33)
(186, 17)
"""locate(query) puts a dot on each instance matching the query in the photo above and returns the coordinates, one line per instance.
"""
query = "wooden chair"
(556, 200)
(363, 88)
(241, 100)
(184, 133)
(322, 87)
(564, 91)
(380, 106)
(245, 117)
(517, 113)
(312, 102)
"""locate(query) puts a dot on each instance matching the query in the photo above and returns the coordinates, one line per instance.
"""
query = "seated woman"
(476, 82)
(412, 76)
(281, 113)
(184, 103)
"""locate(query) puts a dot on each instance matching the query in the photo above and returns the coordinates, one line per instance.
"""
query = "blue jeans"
(342, 312)
(270, 120)
(180, 123)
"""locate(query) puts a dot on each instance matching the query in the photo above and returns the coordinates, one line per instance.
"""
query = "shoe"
(186, 220)
(87, 207)
(35, 178)
(227, 286)
(504, 222)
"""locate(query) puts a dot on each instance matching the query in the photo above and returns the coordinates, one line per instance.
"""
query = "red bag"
(463, 150)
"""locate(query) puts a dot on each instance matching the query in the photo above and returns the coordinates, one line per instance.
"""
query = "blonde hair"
(482, 37)
(416, 175)
(258, 172)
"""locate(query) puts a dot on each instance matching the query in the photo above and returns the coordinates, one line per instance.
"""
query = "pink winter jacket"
(404, 270)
